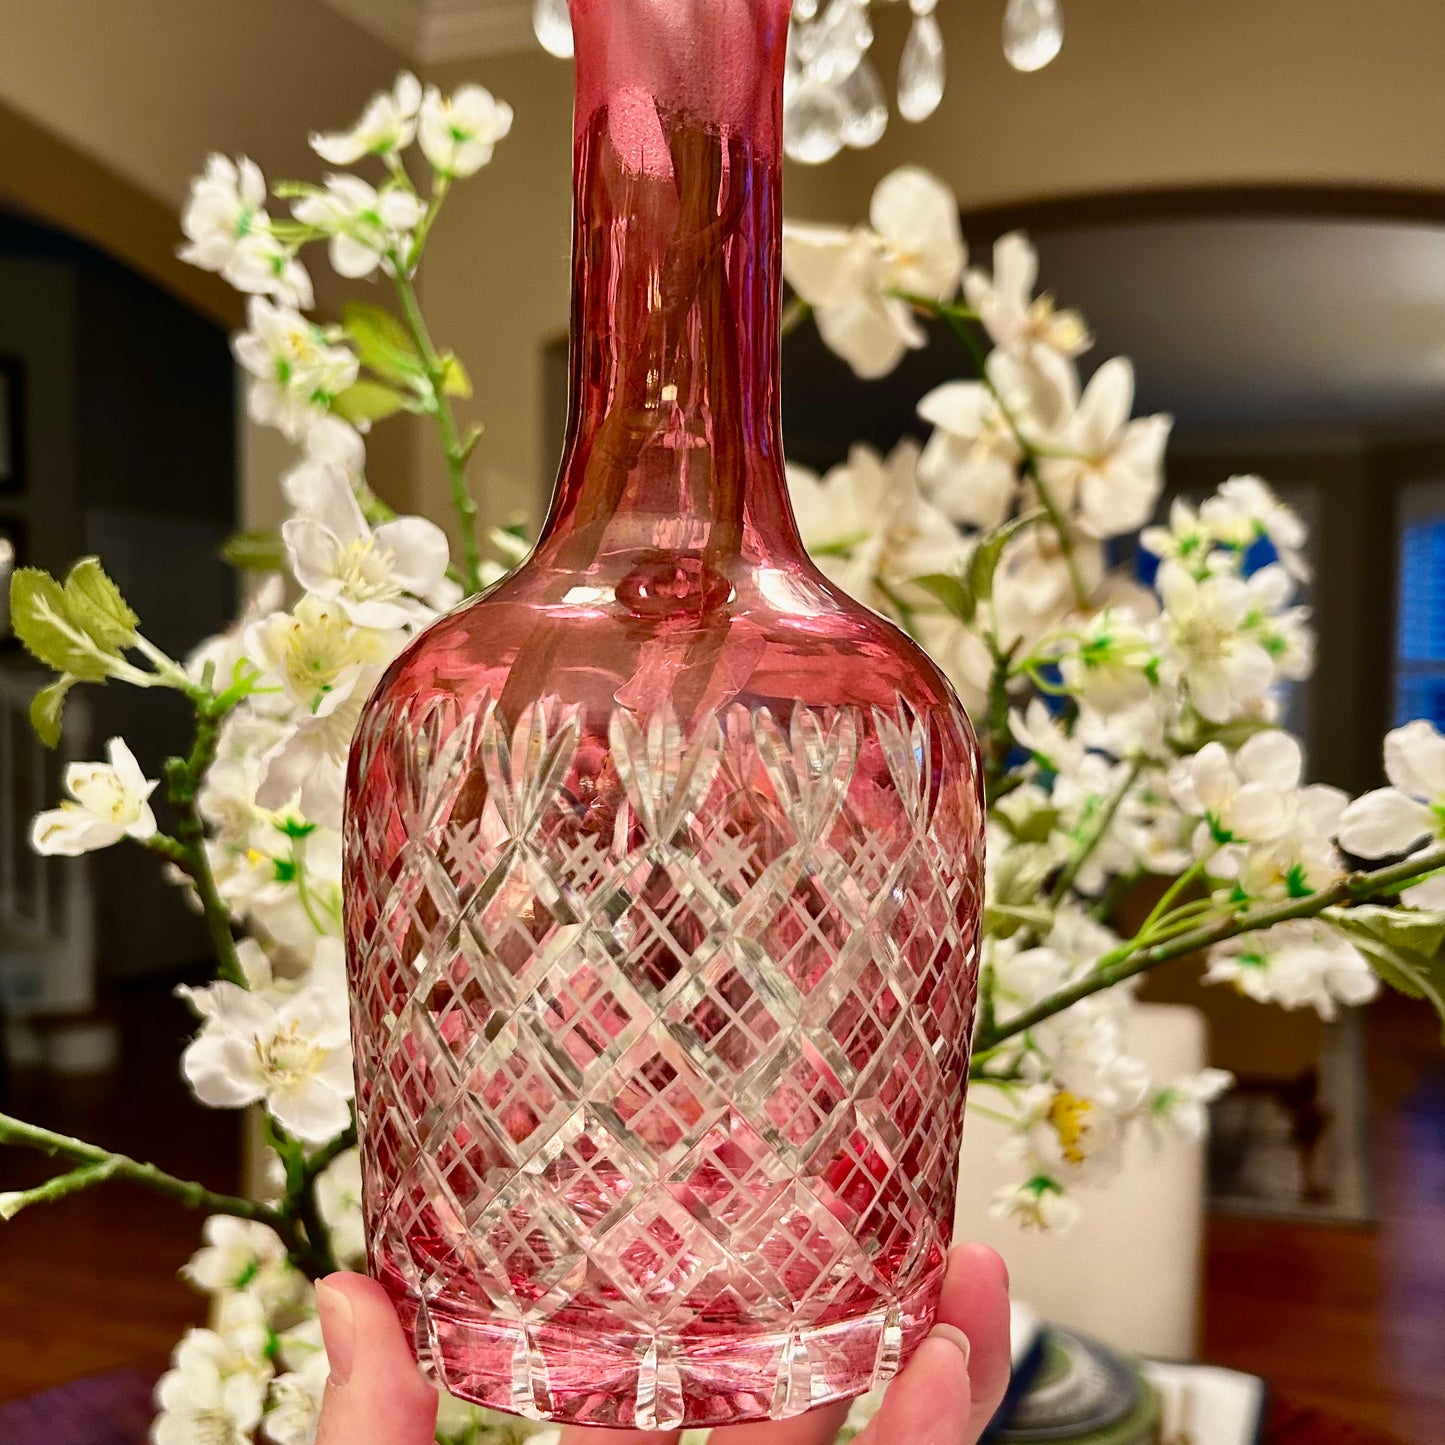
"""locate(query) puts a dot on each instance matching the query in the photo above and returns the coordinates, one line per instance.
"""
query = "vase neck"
(674, 433)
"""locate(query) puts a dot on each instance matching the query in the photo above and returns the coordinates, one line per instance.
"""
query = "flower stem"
(1102, 823)
(1356, 888)
(299, 1204)
(456, 450)
(96, 1165)
(958, 319)
(999, 739)
(184, 777)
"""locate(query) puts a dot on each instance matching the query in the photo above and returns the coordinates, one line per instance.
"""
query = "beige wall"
(1154, 93)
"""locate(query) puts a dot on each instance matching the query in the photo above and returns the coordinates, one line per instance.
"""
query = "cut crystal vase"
(664, 857)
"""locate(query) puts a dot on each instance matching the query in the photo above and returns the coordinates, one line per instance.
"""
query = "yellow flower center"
(1069, 1114)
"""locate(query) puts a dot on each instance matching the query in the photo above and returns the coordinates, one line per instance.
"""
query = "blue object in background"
(1420, 632)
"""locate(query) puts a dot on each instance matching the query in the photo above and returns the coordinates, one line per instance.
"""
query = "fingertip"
(980, 1260)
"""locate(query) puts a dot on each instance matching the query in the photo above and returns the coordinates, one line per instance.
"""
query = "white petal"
(959, 407)
(69, 832)
(1384, 822)
(1415, 760)
(1272, 757)
(310, 1110)
(869, 334)
(420, 550)
(918, 215)
(222, 1071)
(817, 261)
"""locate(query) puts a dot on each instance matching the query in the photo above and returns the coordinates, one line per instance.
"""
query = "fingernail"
(954, 1337)
(338, 1331)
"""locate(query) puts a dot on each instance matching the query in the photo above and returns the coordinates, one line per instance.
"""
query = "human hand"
(946, 1395)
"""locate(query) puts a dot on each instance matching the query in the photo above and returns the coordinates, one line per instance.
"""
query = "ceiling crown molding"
(426, 32)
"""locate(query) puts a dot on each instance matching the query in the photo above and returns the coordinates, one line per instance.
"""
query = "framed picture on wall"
(12, 424)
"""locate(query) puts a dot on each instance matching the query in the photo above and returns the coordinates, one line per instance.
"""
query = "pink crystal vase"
(664, 857)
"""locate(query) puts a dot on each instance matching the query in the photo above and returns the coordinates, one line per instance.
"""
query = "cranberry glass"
(664, 857)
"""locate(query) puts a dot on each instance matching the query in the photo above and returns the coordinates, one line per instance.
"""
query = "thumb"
(376, 1395)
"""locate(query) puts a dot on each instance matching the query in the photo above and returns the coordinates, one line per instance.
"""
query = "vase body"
(664, 858)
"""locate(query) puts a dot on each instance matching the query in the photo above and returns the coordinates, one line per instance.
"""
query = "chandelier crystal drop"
(834, 97)
(553, 26)
(1033, 33)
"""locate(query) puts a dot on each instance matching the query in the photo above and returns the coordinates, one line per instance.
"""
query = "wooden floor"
(1348, 1320)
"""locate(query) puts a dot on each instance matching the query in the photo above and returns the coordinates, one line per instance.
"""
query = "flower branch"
(96, 1165)
(1360, 887)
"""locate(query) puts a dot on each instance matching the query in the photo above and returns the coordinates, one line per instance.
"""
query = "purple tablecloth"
(112, 1409)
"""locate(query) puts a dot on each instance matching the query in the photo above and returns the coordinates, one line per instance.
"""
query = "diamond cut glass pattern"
(675, 1085)
(664, 857)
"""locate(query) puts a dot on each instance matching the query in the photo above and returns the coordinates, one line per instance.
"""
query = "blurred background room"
(1246, 197)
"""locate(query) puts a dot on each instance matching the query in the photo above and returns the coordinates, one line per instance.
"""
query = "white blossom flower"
(367, 227)
(970, 465)
(1033, 589)
(1039, 1203)
(1242, 799)
(213, 1393)
(914, 246)
(317, 650)
(1244, 510)
(236, 1253)
(387, 126)
(1226, 670)
(294, 1410)
(460, 132)
(1187, 539)
(225, 653)
(338, 1196)
(1020, 323)
(1398, 819)
(297, 371)
(292, 1051)
(1108, 661)
(867, 522)
(108, 802)
(393, 576)
(1180, 1109)
(1046, 737)
(229, 232)
(1260, 827)
(1115, 472)
(1283, 631)
(1299, 964)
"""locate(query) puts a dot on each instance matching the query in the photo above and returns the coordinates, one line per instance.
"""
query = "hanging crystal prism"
(865, 107)
(813, 124)
(553, 26)
(1033, 33)
(922, 73)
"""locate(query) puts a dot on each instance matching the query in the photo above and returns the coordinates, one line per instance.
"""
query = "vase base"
(626, 1380)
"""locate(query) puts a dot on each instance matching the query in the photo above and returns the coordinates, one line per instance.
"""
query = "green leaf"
(983, 565)
(46, 708)
(367, 401)
(40, 616)
(961, 595)
(382, 342)
(1002, 920)
(97, 608)
(951, 592)
(455, 381)
(1402, 946)
(254, 552)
